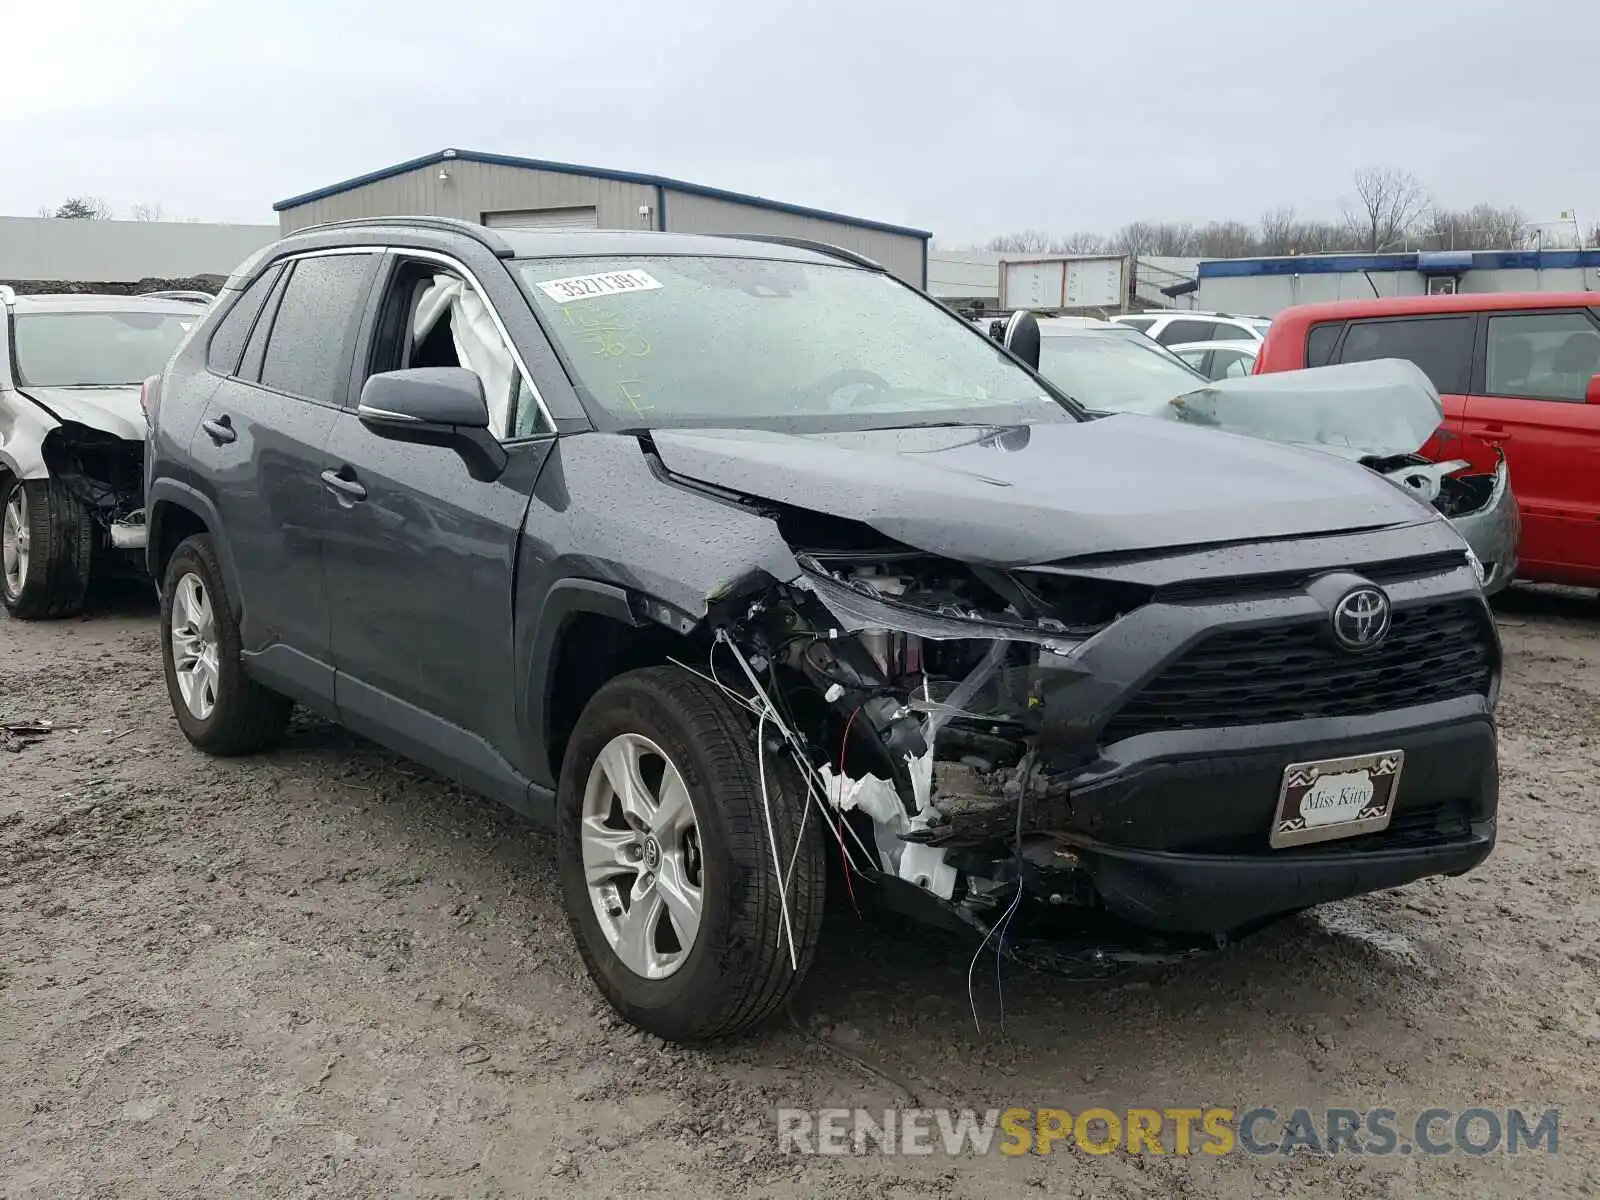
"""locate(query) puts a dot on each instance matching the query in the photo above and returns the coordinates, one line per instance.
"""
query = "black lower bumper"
(1210, 893)
(1173, 829)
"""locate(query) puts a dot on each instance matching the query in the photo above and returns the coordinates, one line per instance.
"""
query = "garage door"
(543, 218)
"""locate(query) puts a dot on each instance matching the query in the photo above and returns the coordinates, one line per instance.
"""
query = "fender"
(167, 494)
(23, 426)
(536, 654)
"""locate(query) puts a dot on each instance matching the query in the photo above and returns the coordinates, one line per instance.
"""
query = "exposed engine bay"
(919, 697)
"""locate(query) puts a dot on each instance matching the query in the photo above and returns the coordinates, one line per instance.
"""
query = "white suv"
(1177, 328)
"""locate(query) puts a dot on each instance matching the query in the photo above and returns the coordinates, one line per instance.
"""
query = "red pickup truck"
(1517, 371)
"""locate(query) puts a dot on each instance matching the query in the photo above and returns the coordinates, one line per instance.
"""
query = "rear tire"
(737, 969)
(220, 709)
(48, 549)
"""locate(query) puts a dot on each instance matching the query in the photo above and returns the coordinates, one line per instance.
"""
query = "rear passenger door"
(259, 451)
(1528, 399)
(1440, 345)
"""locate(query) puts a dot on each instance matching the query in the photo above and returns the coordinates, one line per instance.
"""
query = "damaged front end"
(105, 474)
(931, 706)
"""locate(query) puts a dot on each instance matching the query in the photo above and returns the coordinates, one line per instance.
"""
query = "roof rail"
(832, 251)
(491, 240)
(8, 297)
(192, 297)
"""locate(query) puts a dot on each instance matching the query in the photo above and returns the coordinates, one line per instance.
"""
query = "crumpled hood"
(114, 410)
(1041, 493)
(1355, 410)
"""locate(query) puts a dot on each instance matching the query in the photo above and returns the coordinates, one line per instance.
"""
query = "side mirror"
(1022, 337)
(434, 406)
(1592, 392)
(451, 397)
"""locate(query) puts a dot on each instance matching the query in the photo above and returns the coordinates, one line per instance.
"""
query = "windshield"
(662, 342)
(1108, 373)
(94, 349)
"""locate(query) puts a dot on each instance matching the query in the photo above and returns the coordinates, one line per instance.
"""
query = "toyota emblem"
(1361, 618)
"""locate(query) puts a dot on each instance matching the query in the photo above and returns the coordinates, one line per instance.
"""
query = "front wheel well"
(172, 525)
(591, 650)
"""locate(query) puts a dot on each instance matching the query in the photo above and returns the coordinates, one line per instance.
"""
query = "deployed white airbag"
(479, 347)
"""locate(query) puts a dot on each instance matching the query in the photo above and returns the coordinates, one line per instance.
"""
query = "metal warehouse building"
(526, 193)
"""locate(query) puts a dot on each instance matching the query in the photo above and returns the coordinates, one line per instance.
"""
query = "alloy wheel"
(193, 629)
(15, 539)
(641, 856)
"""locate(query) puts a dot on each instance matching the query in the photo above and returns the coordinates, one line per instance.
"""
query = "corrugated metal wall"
(900, 254)
(122, 251)
(474, 189)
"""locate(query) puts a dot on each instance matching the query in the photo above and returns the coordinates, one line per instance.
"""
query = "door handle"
(345, 489)
(220, 431)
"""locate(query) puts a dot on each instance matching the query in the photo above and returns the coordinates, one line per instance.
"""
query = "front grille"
(1289, 673)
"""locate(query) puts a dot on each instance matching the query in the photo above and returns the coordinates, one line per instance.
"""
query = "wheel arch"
(586, 633)
(175, 511)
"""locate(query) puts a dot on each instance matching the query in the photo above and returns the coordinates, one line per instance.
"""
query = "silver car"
(1379, 414)
(72, 438)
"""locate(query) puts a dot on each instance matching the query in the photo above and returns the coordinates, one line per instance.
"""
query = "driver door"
(420, 553)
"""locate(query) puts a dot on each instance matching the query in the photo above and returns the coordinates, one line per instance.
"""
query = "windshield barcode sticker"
(607, 283)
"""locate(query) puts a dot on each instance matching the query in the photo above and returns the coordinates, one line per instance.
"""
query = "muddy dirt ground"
(323, 973)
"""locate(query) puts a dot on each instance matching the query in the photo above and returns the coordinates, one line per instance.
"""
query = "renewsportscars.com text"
(1376, 1132)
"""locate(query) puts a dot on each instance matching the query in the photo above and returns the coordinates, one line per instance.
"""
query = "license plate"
(1336, 798)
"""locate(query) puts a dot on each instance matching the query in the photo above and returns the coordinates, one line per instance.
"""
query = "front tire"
(46, 549)
(666, 867)
(220, 709)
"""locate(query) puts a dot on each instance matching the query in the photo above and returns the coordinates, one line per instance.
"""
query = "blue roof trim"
(1342, 264)
(536, 164)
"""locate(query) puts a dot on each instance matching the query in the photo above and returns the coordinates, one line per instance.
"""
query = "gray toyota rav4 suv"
(751, 568)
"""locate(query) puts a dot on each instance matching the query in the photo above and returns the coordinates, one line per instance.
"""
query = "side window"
(1320, 342)
(1441, 346)
(1142, 324)
(227, 340)
(431, 316)
(256, 348)
(1187, 330)
(1542, 356)
(1231, 364)
(308, 352)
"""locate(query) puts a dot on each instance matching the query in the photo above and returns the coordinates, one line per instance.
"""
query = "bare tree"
(1226, 239)
(1024, 241)
(1280, 231)
(83, 208)
(1389, 203)
(1592, 238)
(1082, 243)
(147, 212)
(1481, 227)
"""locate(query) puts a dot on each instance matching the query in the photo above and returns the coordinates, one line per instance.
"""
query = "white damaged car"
(72, 438)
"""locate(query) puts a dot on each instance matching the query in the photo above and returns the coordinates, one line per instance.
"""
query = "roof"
(1248, 345)
(1461, 302)
(1338, 264)
(535, 164)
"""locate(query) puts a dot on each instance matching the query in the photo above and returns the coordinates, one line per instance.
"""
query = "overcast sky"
(953, 117)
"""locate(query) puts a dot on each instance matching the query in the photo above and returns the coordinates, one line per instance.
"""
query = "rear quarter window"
(1320, 342)
(227, 340)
